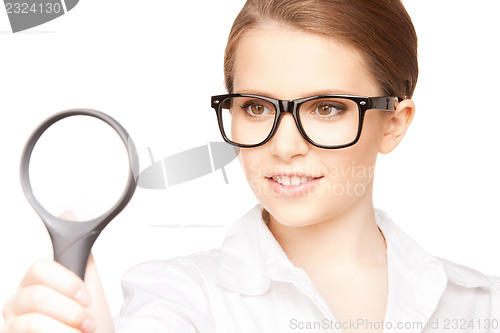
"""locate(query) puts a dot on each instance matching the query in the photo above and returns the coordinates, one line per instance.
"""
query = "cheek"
(355, 166)
(371, 136)
(252, 167)
(350, 173)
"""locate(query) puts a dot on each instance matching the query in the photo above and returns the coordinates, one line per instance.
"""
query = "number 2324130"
(26, 8)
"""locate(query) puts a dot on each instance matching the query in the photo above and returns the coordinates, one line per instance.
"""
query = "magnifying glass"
(74, 161)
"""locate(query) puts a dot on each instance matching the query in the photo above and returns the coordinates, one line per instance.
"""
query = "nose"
(287, 141)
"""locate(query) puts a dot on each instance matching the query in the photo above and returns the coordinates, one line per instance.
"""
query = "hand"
(52, 299)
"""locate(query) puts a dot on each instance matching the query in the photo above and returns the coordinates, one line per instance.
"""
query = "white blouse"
(249, 285)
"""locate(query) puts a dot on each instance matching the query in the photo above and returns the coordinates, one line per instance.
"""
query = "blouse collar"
(251, 258)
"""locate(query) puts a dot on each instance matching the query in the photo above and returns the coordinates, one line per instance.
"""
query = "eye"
(255, 109)
(329, 109)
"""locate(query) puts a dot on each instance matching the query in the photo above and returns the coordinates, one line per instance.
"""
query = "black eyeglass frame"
(282, 106)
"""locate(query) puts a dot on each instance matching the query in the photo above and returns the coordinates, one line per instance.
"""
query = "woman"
(316, 90)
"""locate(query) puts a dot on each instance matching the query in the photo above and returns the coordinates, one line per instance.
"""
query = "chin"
(304, 213)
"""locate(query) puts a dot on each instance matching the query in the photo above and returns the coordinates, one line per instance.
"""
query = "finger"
(41, 299)
(6, 312)
(57, 277)
(68, 215)
(38, 323)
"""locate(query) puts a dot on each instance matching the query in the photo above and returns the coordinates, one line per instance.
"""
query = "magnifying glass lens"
(79, 164)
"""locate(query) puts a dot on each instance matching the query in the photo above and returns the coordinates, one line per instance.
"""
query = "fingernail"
(83, 297)
(88, 326)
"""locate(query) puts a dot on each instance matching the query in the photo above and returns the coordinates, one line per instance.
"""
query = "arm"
(165, 296)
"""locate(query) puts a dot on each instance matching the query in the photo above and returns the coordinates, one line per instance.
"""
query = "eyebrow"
(311, 93)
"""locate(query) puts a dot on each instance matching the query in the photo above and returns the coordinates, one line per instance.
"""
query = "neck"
(349, 238)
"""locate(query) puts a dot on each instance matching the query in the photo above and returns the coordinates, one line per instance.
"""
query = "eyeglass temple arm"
(383, 103)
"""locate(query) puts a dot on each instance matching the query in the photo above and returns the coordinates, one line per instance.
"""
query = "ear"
(396, 125)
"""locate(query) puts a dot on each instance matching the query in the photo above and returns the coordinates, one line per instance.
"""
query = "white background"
(154, 64)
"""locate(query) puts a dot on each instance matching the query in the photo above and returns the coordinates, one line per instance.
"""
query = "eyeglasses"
(325, 121)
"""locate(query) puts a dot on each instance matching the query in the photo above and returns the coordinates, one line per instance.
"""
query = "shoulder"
(410, 255)
(195, 269)
(467, 276)
(477, 293)
(466, 283)
(169, 295)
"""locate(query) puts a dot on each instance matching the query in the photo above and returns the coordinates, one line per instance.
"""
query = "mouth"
(292, 180)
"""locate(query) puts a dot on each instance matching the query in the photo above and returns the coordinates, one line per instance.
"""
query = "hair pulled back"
(380, 29)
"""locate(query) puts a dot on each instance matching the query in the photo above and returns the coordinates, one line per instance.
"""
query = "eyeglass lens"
(326, 121)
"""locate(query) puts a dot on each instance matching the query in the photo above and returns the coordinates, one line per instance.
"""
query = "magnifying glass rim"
(130, 187)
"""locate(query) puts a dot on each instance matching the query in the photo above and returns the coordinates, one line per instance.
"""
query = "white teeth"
(287, 181)
(295, 180)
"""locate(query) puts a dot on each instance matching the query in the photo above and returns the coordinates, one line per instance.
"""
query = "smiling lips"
(292, 180)
(291, 185)
(284, 180)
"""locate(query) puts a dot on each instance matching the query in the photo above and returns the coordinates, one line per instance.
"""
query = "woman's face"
(289, 64)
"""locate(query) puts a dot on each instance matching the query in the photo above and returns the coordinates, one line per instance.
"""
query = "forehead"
(289, 63)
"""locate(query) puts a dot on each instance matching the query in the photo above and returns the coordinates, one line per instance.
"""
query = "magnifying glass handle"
(74, 254)
(72, 242)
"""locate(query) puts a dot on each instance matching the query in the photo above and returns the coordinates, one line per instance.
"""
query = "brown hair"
(381, 29)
